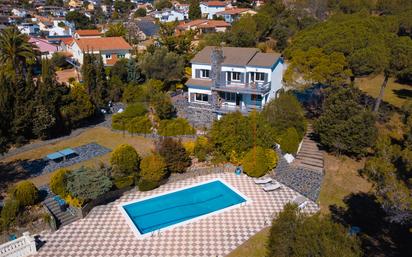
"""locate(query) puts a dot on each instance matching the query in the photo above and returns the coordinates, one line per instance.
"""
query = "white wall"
(20, 247)
(277, 78)
(192, 90)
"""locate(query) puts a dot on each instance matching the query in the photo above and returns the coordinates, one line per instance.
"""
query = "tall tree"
(194, 10)
(15, 51)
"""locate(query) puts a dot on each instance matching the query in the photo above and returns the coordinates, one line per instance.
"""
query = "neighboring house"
(19, 12)
(87, 33)
(169, 15)
(29, 28)
(203, 26)
(181, 7)
(148, 28)
(211, 8)
(234, 14)
(46, 49)
(56, 27)
(54, 11)
(110, 48)
(242, 79)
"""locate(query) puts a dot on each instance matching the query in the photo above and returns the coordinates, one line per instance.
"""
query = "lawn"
(100, 135)
(341, 178)
(254, 247)
(395, 93)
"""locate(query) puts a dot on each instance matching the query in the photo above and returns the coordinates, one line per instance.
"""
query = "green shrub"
(175, 127)
(120, 121)
(58, 182)
(202, 148)
(134, 110)
(174, 154)
(87, 184)
(9, 212)
(124, 182)
(289, 141)
(140, 124)
(153, 168)
(146, 185)
(258, 161)
(125, 161)
(25, 192)
(285, 112)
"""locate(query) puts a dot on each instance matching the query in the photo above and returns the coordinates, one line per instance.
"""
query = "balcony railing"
(254, 87)
(232, 108)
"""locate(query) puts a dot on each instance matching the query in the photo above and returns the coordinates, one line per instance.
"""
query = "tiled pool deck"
(105, 231)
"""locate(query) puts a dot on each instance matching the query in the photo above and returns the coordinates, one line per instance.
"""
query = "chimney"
(217, 59)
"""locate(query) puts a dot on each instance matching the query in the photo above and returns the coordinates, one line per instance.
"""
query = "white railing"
(20, 247)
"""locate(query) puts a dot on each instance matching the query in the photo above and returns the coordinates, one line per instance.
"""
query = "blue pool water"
(169, 209)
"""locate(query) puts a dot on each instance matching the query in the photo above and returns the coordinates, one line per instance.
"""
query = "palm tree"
(15, 50)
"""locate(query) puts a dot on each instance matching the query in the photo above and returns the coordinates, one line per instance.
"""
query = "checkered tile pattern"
(104, 232)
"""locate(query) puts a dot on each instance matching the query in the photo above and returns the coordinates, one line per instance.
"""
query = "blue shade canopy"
(55, 156)
(67, 151)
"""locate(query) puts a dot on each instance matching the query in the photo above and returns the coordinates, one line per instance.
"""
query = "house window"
(205, 73)
(229, 97)
(235, 76)
(258, 76)
(121, 56)
(108, 56)
(202, 97)
(256, 98)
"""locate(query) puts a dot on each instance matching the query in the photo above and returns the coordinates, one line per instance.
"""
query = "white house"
(244, 79)
(29, 28)
(170, 15)
(56, 27)
(110, 48)
(210, 8)
(19, 12)
(233, 14)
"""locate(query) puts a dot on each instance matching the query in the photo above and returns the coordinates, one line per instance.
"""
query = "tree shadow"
(378, 236)
(12, 172)
(403, 93)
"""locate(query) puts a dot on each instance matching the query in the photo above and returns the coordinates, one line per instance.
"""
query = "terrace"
(105, 232)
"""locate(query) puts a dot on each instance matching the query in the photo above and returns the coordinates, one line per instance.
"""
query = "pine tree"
(194, 10)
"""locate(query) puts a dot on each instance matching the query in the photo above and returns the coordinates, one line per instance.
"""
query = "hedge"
(146, 185)
(175, 127)
(289, 141)
(153, 168)
(258, 161)
(125, 161)
(26, 193)
(58, 182)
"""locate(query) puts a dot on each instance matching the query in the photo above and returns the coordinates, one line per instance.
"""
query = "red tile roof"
(88, 32)
(232, 11)
(215, 3)
(200, 23)
(104, 43)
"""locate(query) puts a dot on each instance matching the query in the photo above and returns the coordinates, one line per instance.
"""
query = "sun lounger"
(262, 180)
(300, 201)
(271, 186)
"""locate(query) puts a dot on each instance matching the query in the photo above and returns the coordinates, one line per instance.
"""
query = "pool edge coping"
(136, 231)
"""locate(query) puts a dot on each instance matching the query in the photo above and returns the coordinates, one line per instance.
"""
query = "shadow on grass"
(378, 236)
(403, 93)
(12, 172)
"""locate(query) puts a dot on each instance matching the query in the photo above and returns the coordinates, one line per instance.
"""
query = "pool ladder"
(154, 233)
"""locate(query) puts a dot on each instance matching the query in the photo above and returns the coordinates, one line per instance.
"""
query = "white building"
(245, 79)
(29, 28)
(210, 8)
(110, 48)
(170, 15)
(233, 14)
(57, 27)
(19, 12)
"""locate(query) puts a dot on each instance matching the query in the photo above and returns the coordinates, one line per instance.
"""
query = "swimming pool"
(181, 206)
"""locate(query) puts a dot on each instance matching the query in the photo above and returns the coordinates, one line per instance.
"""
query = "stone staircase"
(62, 218)
(309, 156)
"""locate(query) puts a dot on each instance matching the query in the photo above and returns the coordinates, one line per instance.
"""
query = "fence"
(20, 247)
